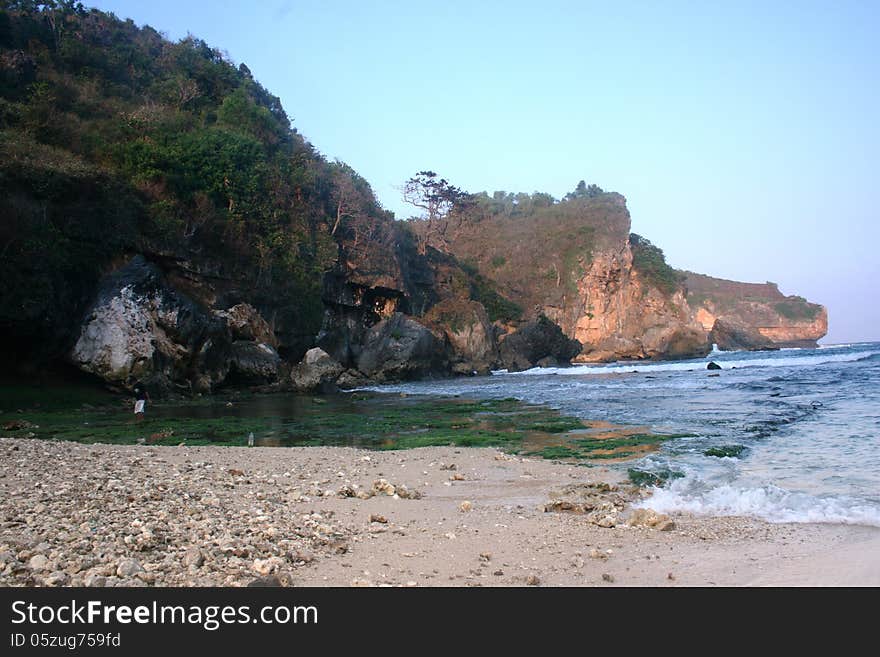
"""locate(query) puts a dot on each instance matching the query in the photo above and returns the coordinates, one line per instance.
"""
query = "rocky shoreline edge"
(130, 515)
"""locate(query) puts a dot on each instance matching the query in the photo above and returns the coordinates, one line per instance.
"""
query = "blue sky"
(743, 135)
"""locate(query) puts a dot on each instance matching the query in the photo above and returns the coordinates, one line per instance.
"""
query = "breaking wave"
(691, 365)
(767, 502)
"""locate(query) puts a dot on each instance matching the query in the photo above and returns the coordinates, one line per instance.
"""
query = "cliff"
(783, 321)
(573, 261)
(576, 262)
(164, 221)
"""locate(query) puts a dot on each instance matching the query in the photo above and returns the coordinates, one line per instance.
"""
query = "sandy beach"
(105, 515)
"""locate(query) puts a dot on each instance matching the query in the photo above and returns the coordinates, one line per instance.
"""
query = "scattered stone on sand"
(129, 568)
(650, 518)
(533, 580)
(600, 502)
(375, 517)
(100, 515)
(607, 577)
(465, 506)
(38, 562)
(193, 557)
(265, 582)
(57, 578)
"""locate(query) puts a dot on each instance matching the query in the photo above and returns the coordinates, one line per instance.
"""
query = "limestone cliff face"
(786, 321)
(796, 333)
(573, 263)
(622, 316)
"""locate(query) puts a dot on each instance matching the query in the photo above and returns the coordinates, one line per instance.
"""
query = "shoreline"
(76, 514)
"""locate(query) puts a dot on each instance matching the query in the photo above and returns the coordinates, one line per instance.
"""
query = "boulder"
(730, 336)
(316, 371)
(246, 323)
(139, 327)
(253, 362)
(351, 379)
(535, 341)
(686, 342)
(713, 366)
(471, 336)
(400, 348)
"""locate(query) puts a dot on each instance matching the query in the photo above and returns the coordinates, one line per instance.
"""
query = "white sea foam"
(684, 366)
(768, 502)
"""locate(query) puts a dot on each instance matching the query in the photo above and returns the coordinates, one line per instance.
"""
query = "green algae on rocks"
(366, 420)
(722, 451)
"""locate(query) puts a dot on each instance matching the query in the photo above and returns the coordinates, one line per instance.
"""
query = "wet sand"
(107, 515)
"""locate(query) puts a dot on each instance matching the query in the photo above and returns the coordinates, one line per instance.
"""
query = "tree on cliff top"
(437, 198)
(584, 191)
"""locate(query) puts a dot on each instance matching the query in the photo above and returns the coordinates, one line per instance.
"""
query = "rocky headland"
(166, 223)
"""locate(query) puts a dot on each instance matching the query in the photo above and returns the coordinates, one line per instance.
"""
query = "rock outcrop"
(538, 343)
(728, 336)
(573, 263)
(472, 337)
(246, 323)
(625, 317)
(400, 348)
(140, 327)
(759, 309)
(253, 362)
(316, 372)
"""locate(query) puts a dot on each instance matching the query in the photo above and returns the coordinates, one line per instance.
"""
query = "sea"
(808, 420)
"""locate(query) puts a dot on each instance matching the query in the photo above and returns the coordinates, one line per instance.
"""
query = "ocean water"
(808, 418)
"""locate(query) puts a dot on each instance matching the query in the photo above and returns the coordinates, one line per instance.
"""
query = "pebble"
(128, 568)
(193, 557)
(38, 562)
(57, 578)
(132, 516)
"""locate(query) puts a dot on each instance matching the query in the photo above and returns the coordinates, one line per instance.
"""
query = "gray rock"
(57, 578)
(731, 336)
(193, 557)
(540, 340)
(38, 562)
(95, 580)
(351, 379)
(141, 327)
(253, 362)
(128, 568)
(471, 336)
(246, 323)
(400, 348)
(267, 581)
(316, 370)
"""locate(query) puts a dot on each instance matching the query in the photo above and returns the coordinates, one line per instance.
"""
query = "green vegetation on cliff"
(115, 140)
(751, 303)
(534, 248)
(649, 261)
